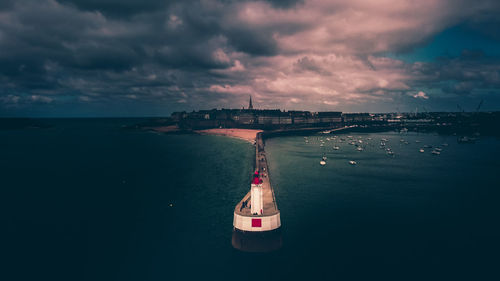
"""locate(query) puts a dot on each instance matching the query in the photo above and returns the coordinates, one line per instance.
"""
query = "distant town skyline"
(85, 58)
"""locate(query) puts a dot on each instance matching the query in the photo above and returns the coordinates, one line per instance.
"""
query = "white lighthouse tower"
(257, 200)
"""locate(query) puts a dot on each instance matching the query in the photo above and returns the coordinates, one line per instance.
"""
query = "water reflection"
(257, 242)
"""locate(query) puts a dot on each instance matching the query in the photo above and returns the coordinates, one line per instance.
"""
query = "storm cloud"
(110, 57)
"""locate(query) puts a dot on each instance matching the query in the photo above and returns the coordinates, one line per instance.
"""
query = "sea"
(87, 199)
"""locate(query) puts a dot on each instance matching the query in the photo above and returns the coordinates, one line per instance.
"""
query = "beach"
(245, 134)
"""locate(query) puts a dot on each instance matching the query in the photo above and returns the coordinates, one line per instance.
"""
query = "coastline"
(164, 129)
(249, 135)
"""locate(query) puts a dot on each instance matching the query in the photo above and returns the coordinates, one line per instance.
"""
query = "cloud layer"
(153, 57)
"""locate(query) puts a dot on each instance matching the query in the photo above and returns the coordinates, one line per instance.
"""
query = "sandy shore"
(245, 134)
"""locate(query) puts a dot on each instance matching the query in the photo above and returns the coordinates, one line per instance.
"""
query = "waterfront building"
(356, 117)
(330, 117)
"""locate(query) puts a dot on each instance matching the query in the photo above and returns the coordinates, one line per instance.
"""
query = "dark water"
(86, 200)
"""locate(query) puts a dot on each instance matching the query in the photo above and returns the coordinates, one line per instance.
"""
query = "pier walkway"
(269, 200)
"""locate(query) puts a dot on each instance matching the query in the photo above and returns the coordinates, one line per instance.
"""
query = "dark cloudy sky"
(149, 57)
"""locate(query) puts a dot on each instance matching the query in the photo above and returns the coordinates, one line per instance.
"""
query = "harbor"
(257, 218)
(168, 214)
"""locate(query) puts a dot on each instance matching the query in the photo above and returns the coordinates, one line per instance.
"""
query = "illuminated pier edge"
(257, 223)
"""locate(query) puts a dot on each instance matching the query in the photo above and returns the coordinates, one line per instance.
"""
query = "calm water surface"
(86, 200)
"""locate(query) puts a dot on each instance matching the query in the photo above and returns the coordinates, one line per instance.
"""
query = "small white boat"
(324, 158)
(466, 139)
(321, 145)
(322, 162)
(435, 152)
(352, 162)
(422, 150)
(359, 148)
(336, 148)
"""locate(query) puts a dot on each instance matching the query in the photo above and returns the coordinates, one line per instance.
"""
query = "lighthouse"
(256, 197)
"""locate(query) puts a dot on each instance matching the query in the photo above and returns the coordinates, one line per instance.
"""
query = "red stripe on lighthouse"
(256, 223)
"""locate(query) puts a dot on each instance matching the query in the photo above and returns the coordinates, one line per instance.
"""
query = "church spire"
(250, 106)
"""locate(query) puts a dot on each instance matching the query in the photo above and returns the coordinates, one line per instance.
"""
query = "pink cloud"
(320, 80)
(327, 50)
(236, 90)
(351, 27)
(421, 95)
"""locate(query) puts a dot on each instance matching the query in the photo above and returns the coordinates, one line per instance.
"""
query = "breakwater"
(256, 218)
